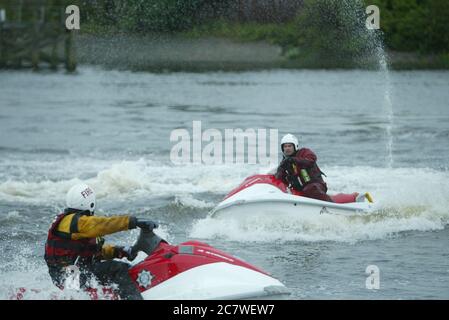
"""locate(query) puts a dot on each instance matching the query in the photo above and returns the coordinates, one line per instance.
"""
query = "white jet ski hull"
(218, 281)
(265, 199)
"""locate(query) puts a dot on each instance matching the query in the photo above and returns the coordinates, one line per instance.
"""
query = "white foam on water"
(11, 216)
(321, 228)
(408, 200)
(187, 200)
(37, 285)
(20, 272)
(133, 179)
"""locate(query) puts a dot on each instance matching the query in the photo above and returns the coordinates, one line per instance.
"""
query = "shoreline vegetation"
(205, 35)
(263, 34)
(222, 46)
(161, 53)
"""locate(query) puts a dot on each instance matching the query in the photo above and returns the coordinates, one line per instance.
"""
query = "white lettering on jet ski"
(185, 310)
(216, 255)
(252, 181)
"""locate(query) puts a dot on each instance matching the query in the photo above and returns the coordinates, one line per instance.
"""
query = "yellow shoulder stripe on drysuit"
(93, 226)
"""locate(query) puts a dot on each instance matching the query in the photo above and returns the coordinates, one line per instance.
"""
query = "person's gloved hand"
(284, 163)
(291, 161)
(279, 173)
(146, 224)
(287, 165)
(125, 252)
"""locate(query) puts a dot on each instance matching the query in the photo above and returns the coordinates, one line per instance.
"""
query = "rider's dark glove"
(141, 223)
(292, 161)
(287, 165)
(146, 224)
(124, 252)
(284, 163)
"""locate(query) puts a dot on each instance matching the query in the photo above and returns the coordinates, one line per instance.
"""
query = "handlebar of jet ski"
(147, 242)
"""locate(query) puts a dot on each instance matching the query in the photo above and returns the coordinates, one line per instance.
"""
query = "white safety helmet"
(289, 138)
(81, 197)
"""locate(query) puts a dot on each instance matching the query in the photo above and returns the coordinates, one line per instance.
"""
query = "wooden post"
(69, 49)
(2, 46)
(37, 38)
(54, 56)
(70, 61)
(35, 43)
(54, 48)
(17, 60)
(19, 11)
(42, 15)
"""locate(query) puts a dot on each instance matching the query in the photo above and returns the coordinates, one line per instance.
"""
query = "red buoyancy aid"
(61, 250)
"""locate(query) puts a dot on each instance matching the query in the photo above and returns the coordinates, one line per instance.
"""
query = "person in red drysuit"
(299, 170)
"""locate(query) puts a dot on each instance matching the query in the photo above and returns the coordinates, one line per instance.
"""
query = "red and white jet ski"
(266, 195)
(195, 270)
(189, 271)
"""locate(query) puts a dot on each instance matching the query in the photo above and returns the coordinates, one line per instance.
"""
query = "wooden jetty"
(33, 35)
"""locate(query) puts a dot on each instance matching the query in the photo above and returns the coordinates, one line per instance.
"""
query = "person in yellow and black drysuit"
(75, 239)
